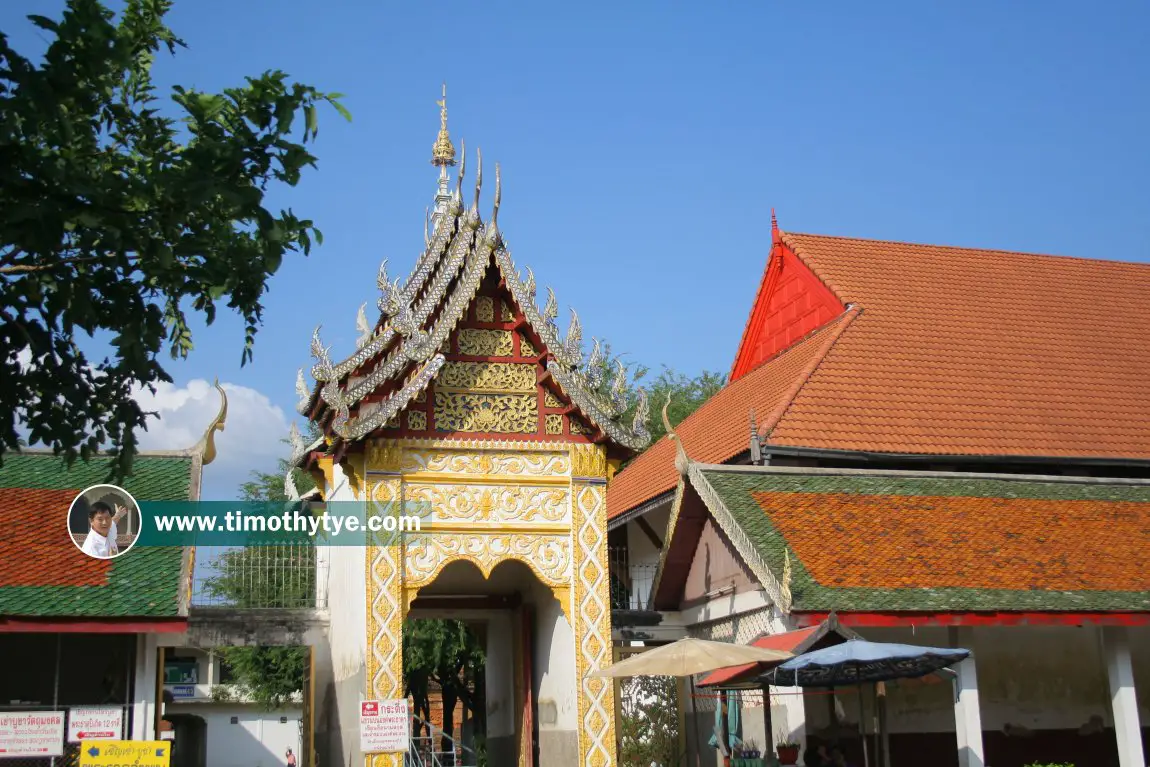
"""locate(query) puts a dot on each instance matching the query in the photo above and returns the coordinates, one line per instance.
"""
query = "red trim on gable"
(893, 619)
(93, 626)
(792, 301)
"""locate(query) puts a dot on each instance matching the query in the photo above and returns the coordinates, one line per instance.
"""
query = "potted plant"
(787, 750)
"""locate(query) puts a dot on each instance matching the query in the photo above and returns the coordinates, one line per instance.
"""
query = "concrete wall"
(257, 738)
(554, 683)
(341, 675)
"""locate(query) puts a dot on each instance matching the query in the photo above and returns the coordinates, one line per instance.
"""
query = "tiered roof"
(849, 541)
(928, 350)
(408, 346)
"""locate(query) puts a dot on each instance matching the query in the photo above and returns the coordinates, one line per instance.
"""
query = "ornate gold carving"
(485, 309)
(325, 465)
(550, 400)
(593, 628)
(549, 556)
(578, 427)
(449, 503)
(505, 313)
(385, 612)
(588, 461)
(445, 347)
(481, 342)
(492, 413)
(563, 595)
(526, 349)
(384, 455)
(417, 420)
(554, 424)
(420, 396)
(485, 444)
(526, 465)
(490, 377)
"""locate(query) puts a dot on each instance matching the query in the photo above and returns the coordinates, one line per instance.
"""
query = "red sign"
(369, 708)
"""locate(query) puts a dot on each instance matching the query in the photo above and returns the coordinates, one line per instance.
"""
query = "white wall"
(553, 664)
(259, 739)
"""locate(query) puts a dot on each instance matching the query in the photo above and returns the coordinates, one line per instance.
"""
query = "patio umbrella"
(858, 661)
(688, 657)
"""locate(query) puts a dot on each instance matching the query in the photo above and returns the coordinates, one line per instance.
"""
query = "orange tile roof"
(977, 352)
(720, 429)
(35, 549)
(898, 541)
(938, 542)
(955, 351)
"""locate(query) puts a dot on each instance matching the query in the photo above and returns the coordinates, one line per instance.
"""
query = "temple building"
(931, 445)
(465, 401)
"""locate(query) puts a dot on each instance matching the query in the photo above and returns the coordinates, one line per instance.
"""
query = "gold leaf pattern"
(482, 342)
(554, 424)
(490, 413)
(505, 312)
(485, 309)
(526, 349)
(523, 464)
(548, 555)
(578, 427)
(416, 420)
(495, 503)
(420, 396)
(550, 400)
(497, 376)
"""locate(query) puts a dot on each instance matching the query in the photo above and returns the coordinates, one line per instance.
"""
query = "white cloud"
(250, 439)
(249, 442)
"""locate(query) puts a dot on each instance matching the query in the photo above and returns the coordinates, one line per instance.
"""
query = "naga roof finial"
(443, 153)
(462, 170)
(498, 195)
(478, 175)
(774, 222)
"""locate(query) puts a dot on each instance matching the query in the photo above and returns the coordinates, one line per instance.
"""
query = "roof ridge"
(842, 322)
(958, 475)
(935, 246)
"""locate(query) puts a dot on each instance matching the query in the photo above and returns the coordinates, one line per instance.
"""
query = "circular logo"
(104, 521)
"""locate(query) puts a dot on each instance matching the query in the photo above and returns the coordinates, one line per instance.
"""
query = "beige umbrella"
(688, 657)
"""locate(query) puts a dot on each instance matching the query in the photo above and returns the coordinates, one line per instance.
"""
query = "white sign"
(384, 726)
(31, 733)
(95, 724)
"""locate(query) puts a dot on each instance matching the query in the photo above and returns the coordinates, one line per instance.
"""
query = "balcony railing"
(631, 584)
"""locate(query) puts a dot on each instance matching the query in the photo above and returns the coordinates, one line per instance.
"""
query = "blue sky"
(644, 144)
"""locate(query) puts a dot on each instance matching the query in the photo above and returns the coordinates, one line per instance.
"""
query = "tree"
(119, 221)
(448, 653)
(649, 725)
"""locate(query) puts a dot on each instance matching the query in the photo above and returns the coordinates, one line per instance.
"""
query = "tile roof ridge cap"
(797, 251)
(186, 452)
(912, 473)
(983, 250)
(835, 331)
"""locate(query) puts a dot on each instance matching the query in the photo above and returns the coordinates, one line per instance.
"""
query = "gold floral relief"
(550, 400)
(485, 462)
(489, 413)
(420, 396)
(482, 342)
(588, 461)
(505, 313)
(445, 347)
(488, 376)
(554, 423)
(526, 349)
(549, 556)
(578, 427)
(485, 309)
(453, 503)
(384, 455)
(416, 420)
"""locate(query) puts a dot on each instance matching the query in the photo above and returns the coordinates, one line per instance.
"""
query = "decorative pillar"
(1123, 698)
(386, 600)
(148, 675)
(591, 603)
(967, 717)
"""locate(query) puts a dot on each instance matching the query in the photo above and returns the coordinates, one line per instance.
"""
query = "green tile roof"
(883, 543)
(142, 583)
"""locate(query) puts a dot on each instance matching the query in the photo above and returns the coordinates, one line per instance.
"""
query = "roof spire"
(442, 156)
(774, 221)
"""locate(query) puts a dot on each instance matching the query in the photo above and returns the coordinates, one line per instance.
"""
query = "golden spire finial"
(443, 153)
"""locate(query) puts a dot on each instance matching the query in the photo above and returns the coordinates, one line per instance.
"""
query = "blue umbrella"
(858, 661)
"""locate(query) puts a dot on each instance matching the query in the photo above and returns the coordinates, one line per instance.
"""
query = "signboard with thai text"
(384, 726)
(31, 733)
(125, 753)
(105, 723)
